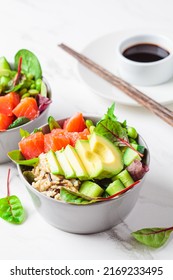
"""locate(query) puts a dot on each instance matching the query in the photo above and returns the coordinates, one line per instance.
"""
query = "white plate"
(102, 51)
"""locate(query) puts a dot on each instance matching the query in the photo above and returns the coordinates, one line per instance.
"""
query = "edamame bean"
(38, 84)
(32, 86)
(22, 91)
(131, 131)
(25, 95)
(33, 91)
(30, 76)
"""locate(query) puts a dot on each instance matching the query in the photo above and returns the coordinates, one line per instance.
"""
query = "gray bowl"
(85, 219)
(9, 139)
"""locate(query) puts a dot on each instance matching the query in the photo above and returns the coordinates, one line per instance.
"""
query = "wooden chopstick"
(152, 105)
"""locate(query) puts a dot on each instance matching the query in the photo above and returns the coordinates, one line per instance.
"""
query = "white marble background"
(40, 26)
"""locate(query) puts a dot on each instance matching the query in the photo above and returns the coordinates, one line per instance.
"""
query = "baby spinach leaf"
(18, 122)
(18, 158)
(28, 162)
(30, 63)
(15, 155)
(74, 197)
(152, 237)
(11, 209)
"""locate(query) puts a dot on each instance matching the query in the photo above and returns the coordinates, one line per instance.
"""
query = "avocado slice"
(54, 165)
(90, 160)
(110, 155)
(76, 162)
(65, 165)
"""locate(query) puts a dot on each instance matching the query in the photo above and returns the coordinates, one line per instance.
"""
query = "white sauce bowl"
(145, 73)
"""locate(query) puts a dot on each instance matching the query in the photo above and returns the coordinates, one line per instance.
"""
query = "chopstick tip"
(61, 45)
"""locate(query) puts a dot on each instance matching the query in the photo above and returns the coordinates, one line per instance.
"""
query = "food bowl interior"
(85, 219)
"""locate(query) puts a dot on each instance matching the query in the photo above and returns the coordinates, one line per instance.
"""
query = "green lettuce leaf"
(152, 237)
(12, 210)
(112, 130)
(74, 197)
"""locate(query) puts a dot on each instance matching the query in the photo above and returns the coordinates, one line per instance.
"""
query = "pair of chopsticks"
(152, 105)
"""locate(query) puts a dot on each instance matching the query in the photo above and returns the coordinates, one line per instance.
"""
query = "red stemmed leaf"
(153, 237)
(11, 208)
(17, 77)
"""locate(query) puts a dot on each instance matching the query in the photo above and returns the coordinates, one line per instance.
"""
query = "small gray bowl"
(9, 139)
(85, 219)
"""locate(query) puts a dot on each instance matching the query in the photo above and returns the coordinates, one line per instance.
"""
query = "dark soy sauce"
(145, 53)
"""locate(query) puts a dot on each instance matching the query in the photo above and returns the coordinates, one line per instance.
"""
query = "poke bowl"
(92, 183)
(25, 96)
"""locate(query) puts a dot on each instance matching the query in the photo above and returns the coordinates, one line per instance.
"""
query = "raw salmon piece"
(32, 146)
(27, 108)
(5, 121)
(15, 98)
(8, 102)
(55, 141)
(74, 136)
(56, 131)
(75, 124)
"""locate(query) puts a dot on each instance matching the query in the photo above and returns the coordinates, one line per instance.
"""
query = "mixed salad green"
(23, 92)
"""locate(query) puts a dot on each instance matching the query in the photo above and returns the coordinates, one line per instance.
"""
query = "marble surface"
(40, 26)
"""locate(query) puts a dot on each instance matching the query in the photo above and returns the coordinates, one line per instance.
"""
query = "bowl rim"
(32, 189)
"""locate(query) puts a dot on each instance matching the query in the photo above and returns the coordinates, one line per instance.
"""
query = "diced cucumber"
(54, 165)
(125, 178)
(91, 189)
(139, 148)
(115, 187)
(129, 156)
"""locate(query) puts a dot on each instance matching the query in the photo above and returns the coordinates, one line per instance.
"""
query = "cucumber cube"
(115, 187)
